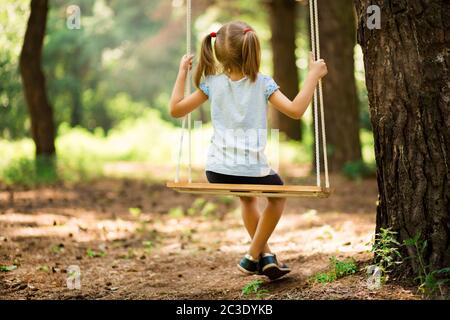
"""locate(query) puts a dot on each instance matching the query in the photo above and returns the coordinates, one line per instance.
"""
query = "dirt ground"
(155, 252)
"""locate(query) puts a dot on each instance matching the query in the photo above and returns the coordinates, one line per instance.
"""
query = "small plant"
(343, 268)
(196, 207)
(58, 248)
(7, 268)
(43, 268)
(430, 281)
(325, 277)
(338, 270)
(135, 212)
(254, 287)
(30, 172)
(209, 209)
(95, 254)
(148, 245)
(176, 212)
(131, 254)
(386, 250)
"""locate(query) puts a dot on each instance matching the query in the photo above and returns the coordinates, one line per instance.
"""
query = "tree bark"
(283, 27)
(407, 73)
(337, 42)
(41, 113)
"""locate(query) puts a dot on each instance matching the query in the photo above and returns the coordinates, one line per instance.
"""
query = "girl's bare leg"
(266, 225)
(251, 216)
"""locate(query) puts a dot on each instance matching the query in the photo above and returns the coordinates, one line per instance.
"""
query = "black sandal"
(271, 268)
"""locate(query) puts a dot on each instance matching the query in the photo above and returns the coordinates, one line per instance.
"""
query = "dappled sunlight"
(16, 225)
(150, 242)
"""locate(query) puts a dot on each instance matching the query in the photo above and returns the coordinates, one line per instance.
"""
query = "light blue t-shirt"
(239, 118)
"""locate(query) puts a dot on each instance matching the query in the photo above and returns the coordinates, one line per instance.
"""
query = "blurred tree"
(407, 78)
(111, 54)
(13, 110)
(41, 112)
(72, 59)
(283, 15)
(337, 42)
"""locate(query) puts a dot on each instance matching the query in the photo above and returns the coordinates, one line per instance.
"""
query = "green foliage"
(148, 246)
(82, 155)
(7, 268)
(131, 254)
(255, 287)
(430, 281)
(176, 212)
(43, 268)
(95, 254)
(30, 172)
(58, 248)
(338, 269)
(202, 207)
(13, 111)
(209, 209)
(386, 250)
(135, 212)
(325, 277)
(356, 170)
(343, 268)
(197, 206)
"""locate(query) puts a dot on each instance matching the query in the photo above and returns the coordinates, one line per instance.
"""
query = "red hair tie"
(247, 30)
(213, 34)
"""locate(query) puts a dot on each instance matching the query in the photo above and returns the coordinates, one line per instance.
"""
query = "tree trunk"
(77, 108)
(337, 43)
(282, 23)
(41, 113)
(407, 76)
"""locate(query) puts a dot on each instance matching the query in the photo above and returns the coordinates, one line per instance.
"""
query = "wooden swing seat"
(253, 190)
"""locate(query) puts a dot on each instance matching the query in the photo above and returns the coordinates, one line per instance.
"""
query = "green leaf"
(8, 268)
(135, 212)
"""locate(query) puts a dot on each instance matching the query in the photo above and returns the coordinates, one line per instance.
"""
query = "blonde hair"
(236, 48)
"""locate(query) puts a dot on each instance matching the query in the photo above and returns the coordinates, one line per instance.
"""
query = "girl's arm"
(298, 106)
(179, 105)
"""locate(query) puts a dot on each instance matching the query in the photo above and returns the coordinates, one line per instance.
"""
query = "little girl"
(239, 97)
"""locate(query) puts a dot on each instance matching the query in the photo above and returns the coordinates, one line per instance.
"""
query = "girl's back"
(239, 118)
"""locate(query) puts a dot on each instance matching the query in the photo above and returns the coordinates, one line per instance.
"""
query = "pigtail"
(251, 55)
(207, 63)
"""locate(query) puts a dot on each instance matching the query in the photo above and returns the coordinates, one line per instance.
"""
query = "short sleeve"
(204, 86)
(270, 86)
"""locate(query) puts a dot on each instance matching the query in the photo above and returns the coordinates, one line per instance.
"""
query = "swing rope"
(318, 99)
(315, 105)
(187, 91)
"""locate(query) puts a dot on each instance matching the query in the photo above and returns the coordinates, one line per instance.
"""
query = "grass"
(7, 268)
(338, 269)
(431, 282)
(255, 288)
(59, 248)
(83, 155)
(95, 254)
